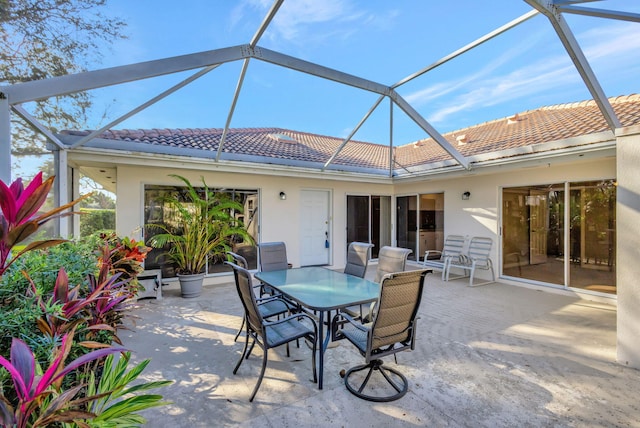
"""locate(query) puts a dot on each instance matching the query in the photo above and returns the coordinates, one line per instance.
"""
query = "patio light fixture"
(466, 196)
(283, 196)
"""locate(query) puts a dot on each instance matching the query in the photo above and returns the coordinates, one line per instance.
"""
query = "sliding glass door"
(420, 221)
(535, 241)
(369, 220)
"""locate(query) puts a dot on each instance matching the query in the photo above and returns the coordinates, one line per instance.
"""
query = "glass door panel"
(357, 219)
(593, 217)
(532, 233)
(369, 220)
(380, 223)
(407, 220)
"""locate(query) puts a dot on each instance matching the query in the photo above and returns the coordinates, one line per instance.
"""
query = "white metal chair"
(452, 249)
(478, 256)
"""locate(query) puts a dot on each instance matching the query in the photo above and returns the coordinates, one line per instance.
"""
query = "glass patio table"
(322, 290)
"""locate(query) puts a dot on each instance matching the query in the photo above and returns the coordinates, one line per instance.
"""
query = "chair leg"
(244, 351)
(472, 273)
(251, 348)
(235, 339)
(264, 367)
(313, 358)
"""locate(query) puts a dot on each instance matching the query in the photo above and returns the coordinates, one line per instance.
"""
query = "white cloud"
(607, 48)
(315, 21)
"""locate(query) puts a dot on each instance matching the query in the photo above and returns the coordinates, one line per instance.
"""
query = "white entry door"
(315, 239)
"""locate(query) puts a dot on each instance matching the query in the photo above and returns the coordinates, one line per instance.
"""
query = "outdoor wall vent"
(513, 119)
(462, 139)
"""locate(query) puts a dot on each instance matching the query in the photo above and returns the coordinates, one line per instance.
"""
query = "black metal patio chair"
(270, 334)
(272, 306)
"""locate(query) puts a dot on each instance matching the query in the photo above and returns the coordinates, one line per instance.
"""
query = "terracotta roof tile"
(546, 124)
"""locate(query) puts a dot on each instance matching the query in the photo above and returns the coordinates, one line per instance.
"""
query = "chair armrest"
(295, 316)
(426, 253)
(289, 304)
(261, 300)
(341, 319)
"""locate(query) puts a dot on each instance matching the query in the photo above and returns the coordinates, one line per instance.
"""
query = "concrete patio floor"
(492, 356)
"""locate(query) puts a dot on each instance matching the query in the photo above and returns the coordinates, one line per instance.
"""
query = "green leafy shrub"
(48, 316)
(95, 220)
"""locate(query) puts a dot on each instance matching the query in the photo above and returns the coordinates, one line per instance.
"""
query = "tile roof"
(543, 125)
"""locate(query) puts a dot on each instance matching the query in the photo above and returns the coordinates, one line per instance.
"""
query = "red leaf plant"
(41, 400)
(19, 217)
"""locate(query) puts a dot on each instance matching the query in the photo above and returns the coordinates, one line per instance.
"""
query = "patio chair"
(390, 260)
(392, 330)
(452, 248)
(269, 306)
(478, 256)
(358, 255)
(270, 334)
(272, 256)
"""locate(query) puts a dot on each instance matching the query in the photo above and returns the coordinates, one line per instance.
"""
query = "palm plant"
(205, 226)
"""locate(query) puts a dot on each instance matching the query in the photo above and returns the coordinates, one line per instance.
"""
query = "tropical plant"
(204, 227)
(41, 399)
(126, 255)
(20, 219)
(119, 403)
(75, 319)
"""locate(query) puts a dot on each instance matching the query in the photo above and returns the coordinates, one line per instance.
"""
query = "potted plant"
(202, 226)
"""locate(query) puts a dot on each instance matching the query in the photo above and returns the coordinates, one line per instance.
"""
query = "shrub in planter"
(204, 227)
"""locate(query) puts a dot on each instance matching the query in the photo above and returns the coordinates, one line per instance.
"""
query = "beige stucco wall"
(628, 269)
(279, 220)
(480, 216)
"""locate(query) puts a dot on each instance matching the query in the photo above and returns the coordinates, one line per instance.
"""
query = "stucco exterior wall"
(628, 218)
(279, 219)
(480, 214)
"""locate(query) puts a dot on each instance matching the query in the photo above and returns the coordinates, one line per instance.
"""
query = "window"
(156, 212)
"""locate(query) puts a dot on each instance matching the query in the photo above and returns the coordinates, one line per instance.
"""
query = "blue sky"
(383, 41)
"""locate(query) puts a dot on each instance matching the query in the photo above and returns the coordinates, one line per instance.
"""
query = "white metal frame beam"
(5, 138)
(438, 63)
(37, 125)
(232, 109)
(469, 46)
(600, 13)
(252, 44)
(42, 89)
(581, 63)
(143, 106)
